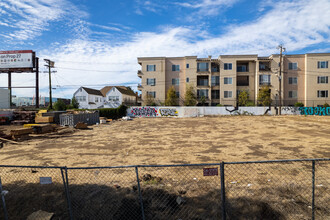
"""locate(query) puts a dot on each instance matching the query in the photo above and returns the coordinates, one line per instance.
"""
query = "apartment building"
(219, 81)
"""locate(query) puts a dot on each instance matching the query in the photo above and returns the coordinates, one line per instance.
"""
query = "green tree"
(264, 97)
(150, 100)
(243, 98)
(299, 104)
(171, 99)
(74, 103)
(59, 105)
(203, 100)
(190, 97)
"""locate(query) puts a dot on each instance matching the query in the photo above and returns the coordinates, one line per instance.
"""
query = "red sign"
(210, 171)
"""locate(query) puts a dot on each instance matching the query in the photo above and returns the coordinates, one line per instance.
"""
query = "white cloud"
(296, 24)
(208, 7)
(31, 17)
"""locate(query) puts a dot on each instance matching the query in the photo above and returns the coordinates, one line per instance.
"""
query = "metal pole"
(313, 189)
(280, 81)
(37, 82)
(223, 190)
(3, 202)
(50, 88)
(140, 195)
(9, 88)
(66, 188)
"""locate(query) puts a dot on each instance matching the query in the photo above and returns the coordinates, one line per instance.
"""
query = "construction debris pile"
(23, 117)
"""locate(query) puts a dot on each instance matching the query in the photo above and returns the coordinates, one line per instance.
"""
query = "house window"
(322, 79)
(151, 68)
(228, 80)
(96, 99)
(187, 80)
(322, 64)
(152, 94)
(187, 65)
(177, 94)
(202, 92)
(151, 81)
(202, 67)
(322, 93)
(113, 98)
(175, 67)
(228, 94)
(175, 81)
(215, 94)
(293, 66)
(264, 79)
(293, 80)
(228, 66)
(215, 80)
(81, 98)
(293, 94)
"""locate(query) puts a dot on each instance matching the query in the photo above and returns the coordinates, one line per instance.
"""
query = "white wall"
(4, 99)
(89, 98)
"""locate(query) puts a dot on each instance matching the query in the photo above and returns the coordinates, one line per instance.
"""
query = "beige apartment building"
(219, 81)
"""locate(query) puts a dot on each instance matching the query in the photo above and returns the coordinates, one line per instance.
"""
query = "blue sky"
(96, 43)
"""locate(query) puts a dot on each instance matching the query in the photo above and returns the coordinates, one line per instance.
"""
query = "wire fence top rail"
(169, 165)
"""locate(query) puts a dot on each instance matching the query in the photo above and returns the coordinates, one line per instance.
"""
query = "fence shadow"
(91, 201)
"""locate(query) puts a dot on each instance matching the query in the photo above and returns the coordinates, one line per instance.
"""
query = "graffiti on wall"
(144, 112)
(314, 110)
(168, 112)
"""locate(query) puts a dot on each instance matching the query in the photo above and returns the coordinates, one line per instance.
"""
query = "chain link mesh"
(33, 192)
(272, 190)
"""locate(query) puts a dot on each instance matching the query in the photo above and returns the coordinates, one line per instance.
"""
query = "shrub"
(299, 104)
(243, 98)
(113, 113)
(59, 105)
(326, 105)
(249, 103)
(219, 105)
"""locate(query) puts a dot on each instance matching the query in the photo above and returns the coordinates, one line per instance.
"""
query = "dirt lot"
(178, 140)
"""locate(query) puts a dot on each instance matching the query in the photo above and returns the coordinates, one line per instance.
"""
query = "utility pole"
(282, 49)
(50, 64)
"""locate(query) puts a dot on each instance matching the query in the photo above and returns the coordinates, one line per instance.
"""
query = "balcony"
(139, 73)
(139, 87)
(202, 81)
(242, 81)
(264, 66)
(215, 68)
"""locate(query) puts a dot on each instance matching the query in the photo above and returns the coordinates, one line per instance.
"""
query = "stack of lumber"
(21, 133)
(41, 128)
(23, 117)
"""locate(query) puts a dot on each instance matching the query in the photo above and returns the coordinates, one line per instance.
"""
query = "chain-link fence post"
(313, 189)
(223, 190)
(66, 189)
(139, 189)
(3, 201)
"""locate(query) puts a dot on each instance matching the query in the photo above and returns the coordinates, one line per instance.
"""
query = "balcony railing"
(203, 70)
(264, 83)
(139, 73)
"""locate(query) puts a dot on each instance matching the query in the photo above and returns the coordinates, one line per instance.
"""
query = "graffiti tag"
(168, 112)
(144, 112)
(314, 110)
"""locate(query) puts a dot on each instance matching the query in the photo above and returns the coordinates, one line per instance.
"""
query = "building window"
(113, 98)
(215, 80)
(215, 94)
(96, 99)
(175, 67)
(293, 94)
(322, 79)
(177, 94)
(228, 66)
(202, 92)
(242, 81)
(151, 94)
(228, 80)
(293, 66)
(264, 79)
(175, 81)
(242, 68)
(322, 64)
(293, 80)
(322, 93)
(151, 81)
(187, 65)
(202, 67)
(81, 98)
(202, 80)
(151, 68)
(187, 80)
(228, 94)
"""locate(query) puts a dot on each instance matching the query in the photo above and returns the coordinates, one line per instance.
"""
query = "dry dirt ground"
(178, 141)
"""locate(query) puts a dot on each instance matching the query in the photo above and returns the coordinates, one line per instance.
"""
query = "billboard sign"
(16, 59)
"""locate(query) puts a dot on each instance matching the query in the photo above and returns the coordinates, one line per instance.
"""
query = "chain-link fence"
(285, 189)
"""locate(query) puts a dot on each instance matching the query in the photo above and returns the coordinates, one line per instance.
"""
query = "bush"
(326, 105)
(219, 105)
(249, 103)
(113, 113)
(59, 105)
(299, 104)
